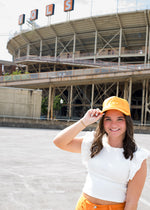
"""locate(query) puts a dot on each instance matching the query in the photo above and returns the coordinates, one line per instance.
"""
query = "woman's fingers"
(95, 112)
(91, 116)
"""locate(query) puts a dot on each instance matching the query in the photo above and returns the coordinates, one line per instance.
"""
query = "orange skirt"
(84, 204)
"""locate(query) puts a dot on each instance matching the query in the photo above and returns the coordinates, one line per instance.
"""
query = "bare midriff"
(99, 201)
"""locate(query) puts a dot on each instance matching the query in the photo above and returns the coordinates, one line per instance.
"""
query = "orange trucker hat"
(116, 103)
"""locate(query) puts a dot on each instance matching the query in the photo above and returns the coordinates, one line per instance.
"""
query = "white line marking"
(145, 202)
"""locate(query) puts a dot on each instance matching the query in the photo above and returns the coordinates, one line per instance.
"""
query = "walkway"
(35, 175)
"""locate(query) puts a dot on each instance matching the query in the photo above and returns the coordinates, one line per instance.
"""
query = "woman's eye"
(120, 119)
(107, 119)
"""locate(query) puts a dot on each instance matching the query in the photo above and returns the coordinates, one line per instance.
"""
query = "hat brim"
(121, 110)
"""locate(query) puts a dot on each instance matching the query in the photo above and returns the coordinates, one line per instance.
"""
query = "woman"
(116, 166)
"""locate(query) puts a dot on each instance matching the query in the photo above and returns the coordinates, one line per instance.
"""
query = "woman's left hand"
(91, 116)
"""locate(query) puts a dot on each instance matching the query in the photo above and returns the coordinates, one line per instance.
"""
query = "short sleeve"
(85, 147)
(139, 156)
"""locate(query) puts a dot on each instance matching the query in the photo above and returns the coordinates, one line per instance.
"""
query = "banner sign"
(21, 19)
(68, 5)
(34, 14)
(50, 10)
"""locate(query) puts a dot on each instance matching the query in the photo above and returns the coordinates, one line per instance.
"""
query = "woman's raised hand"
(91, 116)
(67, 139)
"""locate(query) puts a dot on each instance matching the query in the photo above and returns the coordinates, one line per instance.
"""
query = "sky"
(10, 11)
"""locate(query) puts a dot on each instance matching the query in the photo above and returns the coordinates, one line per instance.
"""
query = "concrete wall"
(19, 102)
(54, 124)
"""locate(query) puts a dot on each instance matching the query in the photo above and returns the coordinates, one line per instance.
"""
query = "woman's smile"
(114, 130)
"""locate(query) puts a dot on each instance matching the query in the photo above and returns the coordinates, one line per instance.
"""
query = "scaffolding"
(85, 61)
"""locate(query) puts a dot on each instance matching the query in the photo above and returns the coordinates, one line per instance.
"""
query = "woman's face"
(115, 124)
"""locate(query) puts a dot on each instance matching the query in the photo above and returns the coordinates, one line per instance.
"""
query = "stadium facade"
(82, 62)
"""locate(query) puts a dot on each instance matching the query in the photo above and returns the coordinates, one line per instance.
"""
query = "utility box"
(18, 102)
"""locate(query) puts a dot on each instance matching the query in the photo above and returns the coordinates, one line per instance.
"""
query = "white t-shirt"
(109, 171)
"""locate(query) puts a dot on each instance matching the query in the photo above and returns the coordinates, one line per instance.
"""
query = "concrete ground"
(35, 175)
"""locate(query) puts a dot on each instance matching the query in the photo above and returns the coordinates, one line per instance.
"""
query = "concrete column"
(3, 68)
(120, 45)
(92, 96)
(28, 50)
(130, 92)
(149, 48)
(74, 46)
(56, 42)
(41, 46)
(49, 102)
(54, 67)
(117, 90)
(39, 68)
(146, 101)
(126, 90)
(27, 68)
(14, 57)
(143, 102)
(19, 53)
(84, 98)
(52, 101)
(70, 102)
(95, 47)
(146, 43)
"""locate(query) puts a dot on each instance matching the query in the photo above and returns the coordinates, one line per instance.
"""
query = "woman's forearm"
(65, 139)
(68, 134)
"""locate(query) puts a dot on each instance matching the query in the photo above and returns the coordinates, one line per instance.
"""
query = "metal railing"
(80, 56)
(78, 59)
(72, 73)
(70, 60)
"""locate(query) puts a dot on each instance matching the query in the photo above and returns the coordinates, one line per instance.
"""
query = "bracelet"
(82, 123)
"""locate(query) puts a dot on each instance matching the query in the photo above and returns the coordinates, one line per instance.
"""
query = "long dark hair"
(129, 145)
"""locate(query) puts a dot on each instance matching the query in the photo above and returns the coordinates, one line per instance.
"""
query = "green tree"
(16, 72)
(44, 106)
(57, 104)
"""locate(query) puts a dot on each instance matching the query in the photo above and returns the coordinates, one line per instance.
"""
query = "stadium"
(79, 63)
